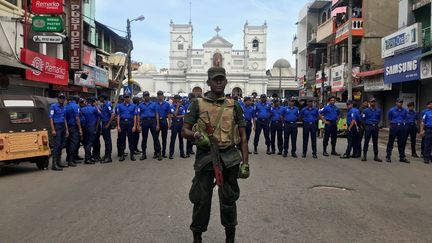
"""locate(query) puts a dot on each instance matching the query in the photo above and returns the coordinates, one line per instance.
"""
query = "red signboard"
(47, 6)
(52, 70)
(75, 34)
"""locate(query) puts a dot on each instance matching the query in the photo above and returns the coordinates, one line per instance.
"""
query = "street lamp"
(130, 46)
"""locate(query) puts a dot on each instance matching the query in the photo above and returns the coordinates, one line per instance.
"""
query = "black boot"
(364, 158)
(132, 157)
(107, 160)
(255, 150)
(55, 166)
(377, 159)
(268, 150)
(197, 237)
(230, 235)
(122, 158)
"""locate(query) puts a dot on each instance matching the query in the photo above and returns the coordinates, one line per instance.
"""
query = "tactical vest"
(227, 132)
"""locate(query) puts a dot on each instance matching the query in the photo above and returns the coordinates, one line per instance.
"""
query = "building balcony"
(342, 31)
(325, 31)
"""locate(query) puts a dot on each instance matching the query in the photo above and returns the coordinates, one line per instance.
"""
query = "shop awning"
(370, 73)
(9, 61)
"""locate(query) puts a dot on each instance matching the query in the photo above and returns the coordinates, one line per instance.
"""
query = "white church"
(246, 68)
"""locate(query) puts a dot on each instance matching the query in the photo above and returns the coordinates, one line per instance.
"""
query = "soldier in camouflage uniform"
(232, 127)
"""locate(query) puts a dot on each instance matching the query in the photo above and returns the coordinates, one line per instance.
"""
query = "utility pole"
(350, 46)
(323, 77)
(280, 82)
(130, 47)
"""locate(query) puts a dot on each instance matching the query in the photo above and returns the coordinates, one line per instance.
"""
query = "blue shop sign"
(402, 68)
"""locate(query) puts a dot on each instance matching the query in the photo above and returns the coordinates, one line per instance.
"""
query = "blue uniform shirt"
(163, 109)
(330, 112)
(276, 113)
(353, 114)
(427, 118)
(91, 115)
(262, 110)
(72, 111)
(127, 111)
(371, 116)
(107, 111)
(57, 113)
(309, 114)
(291, 114)
(248, 112)
(412, 117)
(396, 115)
(181, 111)
(147, 109)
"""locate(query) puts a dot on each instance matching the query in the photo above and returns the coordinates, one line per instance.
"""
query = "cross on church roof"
(217, 30)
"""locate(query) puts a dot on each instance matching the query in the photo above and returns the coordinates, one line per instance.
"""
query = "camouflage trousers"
(201, 194)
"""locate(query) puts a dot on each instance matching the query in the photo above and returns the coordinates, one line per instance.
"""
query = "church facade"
(187, 72)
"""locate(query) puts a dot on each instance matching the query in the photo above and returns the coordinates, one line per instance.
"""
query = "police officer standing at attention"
(276, 126)
(177, 114)
(309, 116)
(107, 117)
(371, 117)
(59, 130)
(249, 115)
(397, 117)
(136, 101)
(290, 115)
(126, 125)
(92, 116)
(148, 119)
(82, 104)
(72, 114)
(353, 137)
(426, 132)
(261, 122)
(330, 116)
(163, 108)
(214, 107)
(411, 124)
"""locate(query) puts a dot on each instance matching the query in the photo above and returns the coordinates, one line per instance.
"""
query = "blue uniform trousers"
(126, 126)
(106, 134)
(330, 131)
(371, 131)
(428, 144)
(176, 127)
(72, 142)
(397, 131)
(248, 130)
(58, 140)
(276, 127)
(262, 124)
(412, 133)
(146, 125)
(96, 142)
(164, 130)
(89, 141)
(290, 130)
(354, 142)
(310, 128)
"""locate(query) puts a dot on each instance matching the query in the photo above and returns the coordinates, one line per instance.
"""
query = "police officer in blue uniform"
(72, 115)
(107, 118)
(310, 115)
(82, 103)
(59, 130)
(330, 116)
(164, 121)
(426, 133)
(291, 115)
(276, 126)
(177, 114)
(397, 117)
(353, 123)
(411, 124)
(371, 118)
(148, 119)
(189, 145)
(92, 116)
(249, 115)
(136, 101)
(423, 137)
(126, 125)
(97, 144)
(261, 122)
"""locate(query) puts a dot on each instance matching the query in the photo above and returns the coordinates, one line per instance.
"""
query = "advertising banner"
(101, 77)
(338, 76)
(86, 77)
(47, 6)
(402, 68)
(76, 34)
(52, 70)
(402, 40)
(89, 56)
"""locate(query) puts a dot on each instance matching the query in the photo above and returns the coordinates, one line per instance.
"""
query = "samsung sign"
(405, 39)
(402, 68)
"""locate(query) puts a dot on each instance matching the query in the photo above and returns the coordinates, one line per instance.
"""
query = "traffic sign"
(48, 39)
(127, 89)
(47, 24)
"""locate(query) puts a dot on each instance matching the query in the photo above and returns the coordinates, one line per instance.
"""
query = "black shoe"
(273, 152)
(255, 150)
(192, 152)
(89, 162)
(279, 153)
(55, 166)
(164, 155)
(171, 157)
(132, 157)
(143, 157)
(426, 161)
(268, 151)
(188, 155)
(137, 151)
(345, 156)
(230, 235)
(404, 160)
(414, 155)
(356, 156)
(159, 157)
(183, 156)
(364, 158)
(285, 155)
(122, 158)
(197, 237)
(106, 160)
(294, 155)
(72, 164)
(326, 154)
(78, 158)
(377, 159)
(314, 156)
(303, 156)
(388, 160)
(155, 156)
(335, 154)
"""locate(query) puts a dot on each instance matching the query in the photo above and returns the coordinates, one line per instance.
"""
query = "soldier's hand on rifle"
(244, 171)
(197, 135)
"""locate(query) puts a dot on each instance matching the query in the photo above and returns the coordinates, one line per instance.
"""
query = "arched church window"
(255, 45)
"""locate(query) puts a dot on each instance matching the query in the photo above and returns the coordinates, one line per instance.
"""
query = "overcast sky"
(151, 36)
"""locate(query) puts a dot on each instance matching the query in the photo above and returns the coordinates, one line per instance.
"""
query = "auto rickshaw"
(342, 127)
(24, 130)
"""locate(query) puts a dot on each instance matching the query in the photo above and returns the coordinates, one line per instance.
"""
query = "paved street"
(147, 201)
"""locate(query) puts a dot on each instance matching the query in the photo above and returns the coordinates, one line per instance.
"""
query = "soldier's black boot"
(364, 157)
(255, 150)
(268, 150)
(325, 152)
(377, 159)
(197, 237)
(230, 235)
(71, 163)
(55, 166)
(122, 158)
(132, 157)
